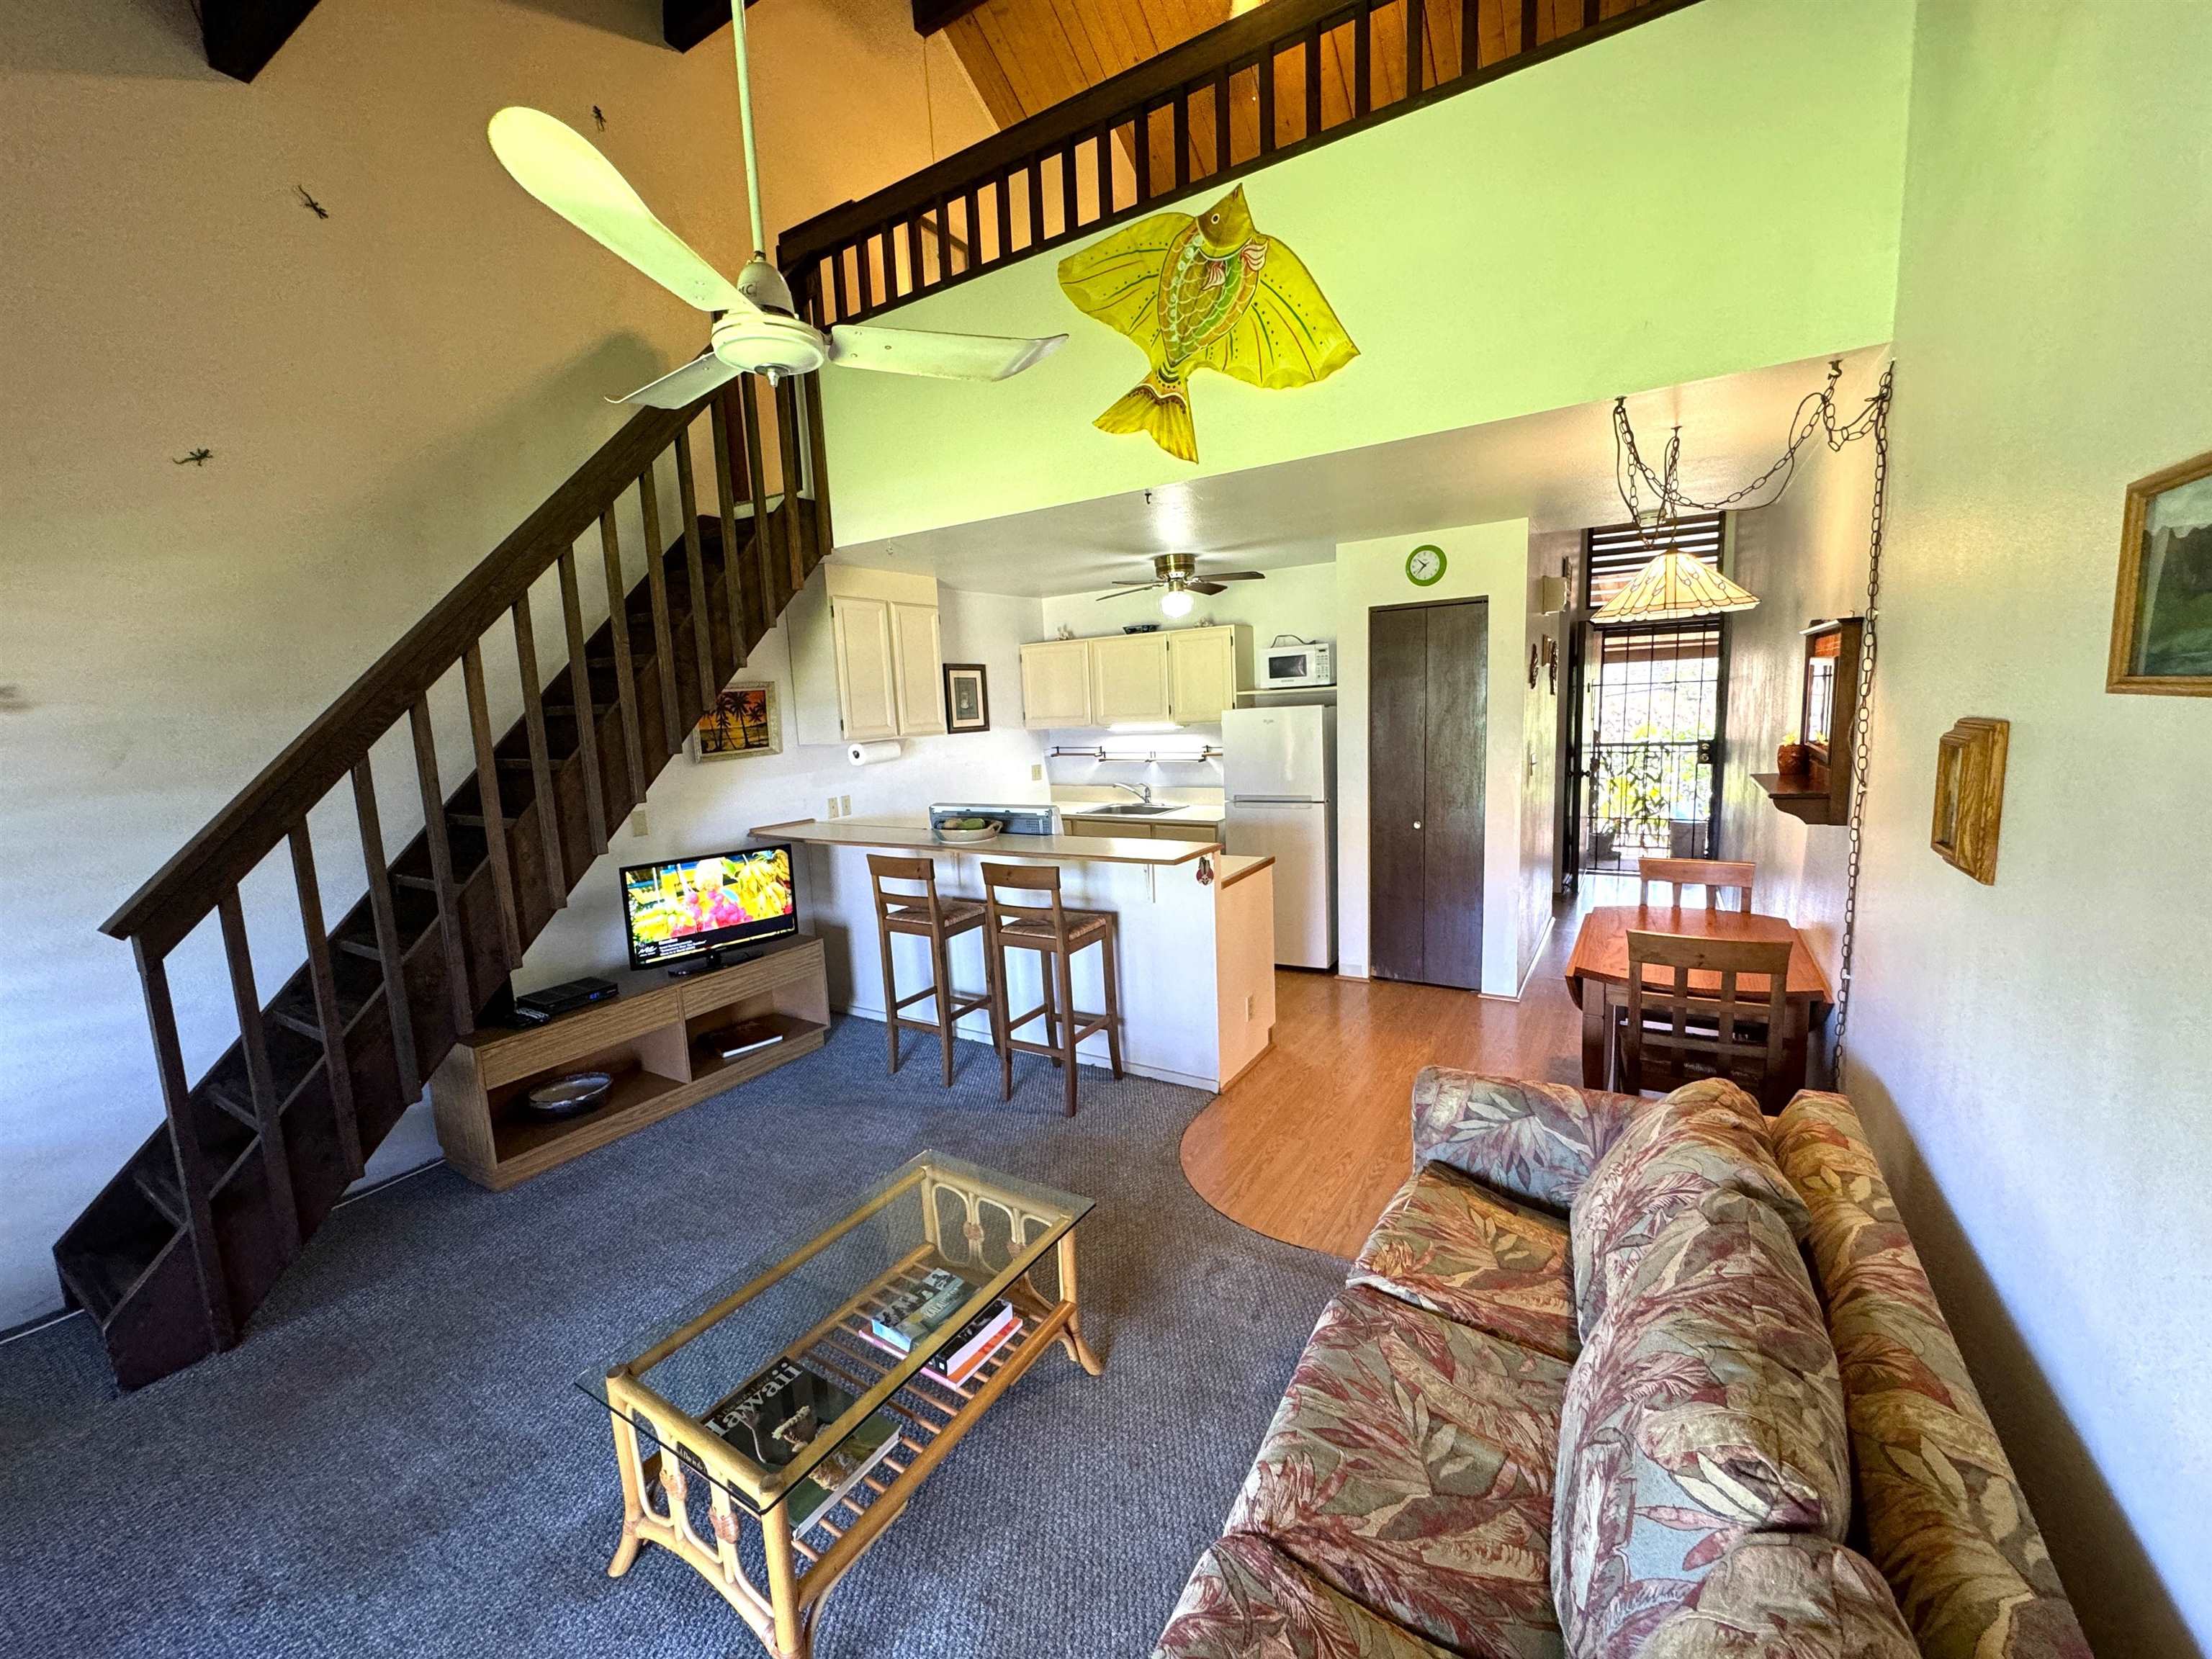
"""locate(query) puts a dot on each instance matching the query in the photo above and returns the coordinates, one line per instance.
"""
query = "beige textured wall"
(2036, 1057)
(387, 392)
(1805, 558)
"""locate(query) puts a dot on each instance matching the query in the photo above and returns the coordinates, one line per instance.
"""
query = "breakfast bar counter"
(1197, 937)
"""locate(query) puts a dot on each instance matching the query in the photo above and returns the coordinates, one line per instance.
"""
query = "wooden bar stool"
(1056, 933)
(925, 916)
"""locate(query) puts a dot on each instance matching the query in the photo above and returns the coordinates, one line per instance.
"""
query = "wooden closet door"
(1398, 723)
(1458, 717)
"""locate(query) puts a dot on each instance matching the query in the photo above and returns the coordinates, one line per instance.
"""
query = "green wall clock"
(1425, 565)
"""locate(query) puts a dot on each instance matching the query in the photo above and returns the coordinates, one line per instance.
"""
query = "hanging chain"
(1863, 717)
(1816, 415)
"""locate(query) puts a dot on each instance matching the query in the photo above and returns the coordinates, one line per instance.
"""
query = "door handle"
(1417, 824)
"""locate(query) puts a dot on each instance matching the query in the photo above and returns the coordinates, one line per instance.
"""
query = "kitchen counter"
(892, 835)
(1196, 940)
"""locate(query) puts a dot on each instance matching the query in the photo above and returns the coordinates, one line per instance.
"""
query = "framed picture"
(2162, 613)
(967, 697)
(1970, 768)
(746, 719)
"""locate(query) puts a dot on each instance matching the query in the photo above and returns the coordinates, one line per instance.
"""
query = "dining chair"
(1729, 1021)
(1716, 876)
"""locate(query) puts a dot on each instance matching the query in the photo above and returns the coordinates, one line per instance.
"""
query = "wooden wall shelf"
(1804, 797)
(650, 1038)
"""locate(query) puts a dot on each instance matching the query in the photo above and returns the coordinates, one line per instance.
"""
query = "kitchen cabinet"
(1128, 679)
(868, 658)
(1181, 676)
(1202, 674)
(1142, 829)
(1056, 683)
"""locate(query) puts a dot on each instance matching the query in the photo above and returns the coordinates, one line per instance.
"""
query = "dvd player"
(535, 1007)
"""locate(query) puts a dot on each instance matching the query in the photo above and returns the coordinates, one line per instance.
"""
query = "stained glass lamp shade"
(1675, 586)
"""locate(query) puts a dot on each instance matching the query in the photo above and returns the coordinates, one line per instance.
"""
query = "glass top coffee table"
(808, 1396)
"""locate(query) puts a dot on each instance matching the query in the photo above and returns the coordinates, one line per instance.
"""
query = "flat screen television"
(681, 909)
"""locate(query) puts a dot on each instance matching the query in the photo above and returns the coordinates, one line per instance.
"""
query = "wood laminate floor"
(1307, 1146)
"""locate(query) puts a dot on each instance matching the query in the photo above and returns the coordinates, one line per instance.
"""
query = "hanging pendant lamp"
(1675, 586)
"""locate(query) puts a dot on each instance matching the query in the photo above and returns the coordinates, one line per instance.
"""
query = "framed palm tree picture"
(744, 720)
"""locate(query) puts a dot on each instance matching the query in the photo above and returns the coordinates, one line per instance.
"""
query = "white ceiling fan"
(756, 327)
(1178, 574)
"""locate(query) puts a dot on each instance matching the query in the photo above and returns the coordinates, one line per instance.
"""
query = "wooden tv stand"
(649, 1038)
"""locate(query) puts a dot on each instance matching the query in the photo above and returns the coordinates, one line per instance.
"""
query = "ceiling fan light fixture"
(1674, 587)
(1176, 602)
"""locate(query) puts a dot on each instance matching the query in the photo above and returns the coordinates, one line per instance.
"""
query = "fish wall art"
(1211, 291)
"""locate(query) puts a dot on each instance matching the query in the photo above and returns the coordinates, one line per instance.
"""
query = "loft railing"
(658, 694)
(1282, 78)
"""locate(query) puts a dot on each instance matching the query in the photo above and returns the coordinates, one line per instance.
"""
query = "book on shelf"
(778, 1412)
(918, 1312)
(746, 1037)
(971, 1346)
(836, 1474)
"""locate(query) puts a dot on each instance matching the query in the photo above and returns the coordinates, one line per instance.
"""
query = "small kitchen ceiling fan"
(1178, 574)
(756, 327)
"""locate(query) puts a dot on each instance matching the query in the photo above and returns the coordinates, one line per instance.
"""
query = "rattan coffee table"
(694, 1491)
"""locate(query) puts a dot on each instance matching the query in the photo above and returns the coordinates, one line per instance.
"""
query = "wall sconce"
(1535, 662)
(1552, 662)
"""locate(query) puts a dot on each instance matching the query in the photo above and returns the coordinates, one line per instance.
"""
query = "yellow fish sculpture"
(1209, 292)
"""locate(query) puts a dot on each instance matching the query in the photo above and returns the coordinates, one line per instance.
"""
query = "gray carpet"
(396, 1460)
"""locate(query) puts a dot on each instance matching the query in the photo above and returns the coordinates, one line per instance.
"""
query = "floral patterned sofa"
(1615, 1376)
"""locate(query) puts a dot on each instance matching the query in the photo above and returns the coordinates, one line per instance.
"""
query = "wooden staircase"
(179, 1250)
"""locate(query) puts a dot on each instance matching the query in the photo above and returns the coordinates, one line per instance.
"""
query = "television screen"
(686, 906)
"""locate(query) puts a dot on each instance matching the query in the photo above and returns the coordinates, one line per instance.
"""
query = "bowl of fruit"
(963, 832)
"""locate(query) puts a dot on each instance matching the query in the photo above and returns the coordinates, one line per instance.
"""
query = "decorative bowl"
(952, 837)
(565, 1097)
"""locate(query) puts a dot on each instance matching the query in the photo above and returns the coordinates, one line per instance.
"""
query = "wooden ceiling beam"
(241, 36)
(685, 23)
(930, 16)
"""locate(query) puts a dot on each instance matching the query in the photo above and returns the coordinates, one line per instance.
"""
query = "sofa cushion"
(1410, 1466)
(1535, 1141)
(1705, 1135)
(1783, 1596)
(1705, 1408)
(1246, 1600)
(1943, 1513)
(1446, 1243)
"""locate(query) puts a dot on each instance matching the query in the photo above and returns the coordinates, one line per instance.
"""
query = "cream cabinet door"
(1128, 678)
(1056, 683)
(867, 686)
(1201, 675)
(919, 656)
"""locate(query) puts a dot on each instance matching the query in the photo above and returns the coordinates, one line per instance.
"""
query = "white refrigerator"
(1278, 769)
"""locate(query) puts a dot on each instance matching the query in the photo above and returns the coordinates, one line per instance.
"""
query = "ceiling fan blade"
(1128, 592)
(1135, 581)
(681, 388)
(946, 356)
(1236, 575)
(554, 163)
(1205, 587)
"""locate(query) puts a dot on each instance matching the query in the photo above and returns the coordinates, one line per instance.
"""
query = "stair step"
(568, 712)
(306, 1026)
(157, 1178)
(420, 883)
(240, 1108)
(365, 949)
(99, 1280)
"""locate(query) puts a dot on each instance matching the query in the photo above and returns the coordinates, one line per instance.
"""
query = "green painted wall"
(2036, 1057)
(1717, 190)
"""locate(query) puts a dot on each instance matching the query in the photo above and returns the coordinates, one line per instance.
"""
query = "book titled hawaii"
(778, 1412)
(920, 1311)
(841, 1470)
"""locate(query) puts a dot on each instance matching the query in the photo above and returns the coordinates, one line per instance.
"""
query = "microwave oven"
(1297, 663)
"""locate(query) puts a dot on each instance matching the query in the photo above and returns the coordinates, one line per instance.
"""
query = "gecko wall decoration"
(311, 203)
(599, 116)
(197, 458)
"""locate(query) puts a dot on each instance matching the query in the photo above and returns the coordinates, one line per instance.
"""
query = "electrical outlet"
(1251, 1007)
(1036, 772)
(845, 806)
(833, 806)
(639, 823)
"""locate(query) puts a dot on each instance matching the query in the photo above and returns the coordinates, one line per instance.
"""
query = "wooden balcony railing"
(1283, 77)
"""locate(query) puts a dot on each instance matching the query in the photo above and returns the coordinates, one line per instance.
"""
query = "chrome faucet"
(1143, 792)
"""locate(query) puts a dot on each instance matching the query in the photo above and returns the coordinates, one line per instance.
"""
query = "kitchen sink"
(1132, 811)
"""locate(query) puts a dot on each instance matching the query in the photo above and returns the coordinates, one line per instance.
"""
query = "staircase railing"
(1278, 80)
(538, 835)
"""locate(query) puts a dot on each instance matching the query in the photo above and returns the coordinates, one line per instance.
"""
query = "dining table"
(1597, 974)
